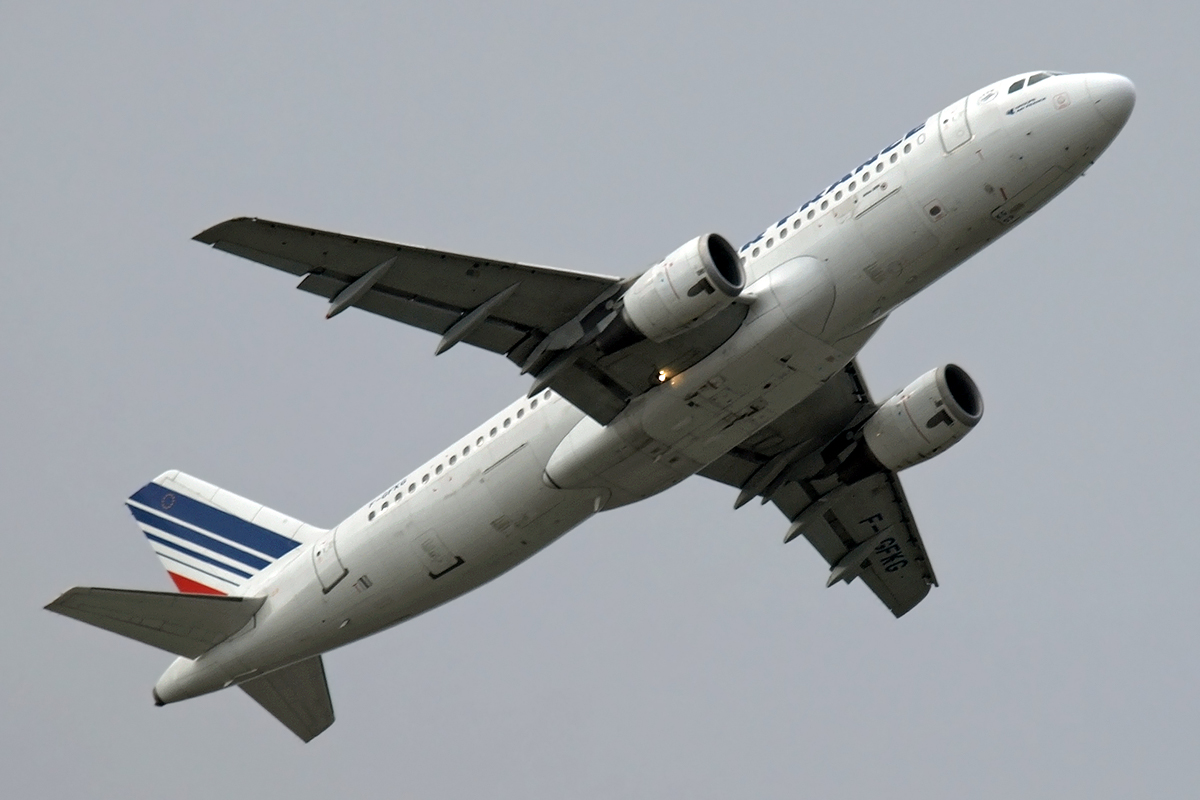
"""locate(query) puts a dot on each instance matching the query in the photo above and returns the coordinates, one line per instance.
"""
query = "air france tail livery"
(738, 365)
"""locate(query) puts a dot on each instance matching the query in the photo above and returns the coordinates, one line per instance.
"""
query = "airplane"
(734, 364)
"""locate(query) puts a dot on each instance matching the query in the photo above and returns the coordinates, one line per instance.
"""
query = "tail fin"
(212, 541)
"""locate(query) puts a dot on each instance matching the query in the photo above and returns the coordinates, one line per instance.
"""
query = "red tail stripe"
(189, 586)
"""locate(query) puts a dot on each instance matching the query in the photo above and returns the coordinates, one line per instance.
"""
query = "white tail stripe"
(156, 512)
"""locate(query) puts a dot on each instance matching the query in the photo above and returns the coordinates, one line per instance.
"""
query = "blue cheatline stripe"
(189, 535)
(194, 554)
(214, 520)
(193, 567)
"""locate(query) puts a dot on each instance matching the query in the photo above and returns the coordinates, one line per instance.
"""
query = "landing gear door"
(329, 567)
(953, 126)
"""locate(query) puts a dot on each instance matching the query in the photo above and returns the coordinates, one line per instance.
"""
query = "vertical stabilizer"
(212, 541)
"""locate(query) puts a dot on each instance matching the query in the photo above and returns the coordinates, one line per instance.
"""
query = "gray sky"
(671, 649)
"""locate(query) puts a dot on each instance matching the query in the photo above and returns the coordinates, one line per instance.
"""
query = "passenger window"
(520, 413)
(770, 242)
(438, 471)
(371, 516)
(425, 478)
(1016, 87)
(412, 487)
(492, 432)
(385, 505)
(533, 403)
(479, 442)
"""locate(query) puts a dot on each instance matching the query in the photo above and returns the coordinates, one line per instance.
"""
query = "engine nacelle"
(930, 414)
(688, 287)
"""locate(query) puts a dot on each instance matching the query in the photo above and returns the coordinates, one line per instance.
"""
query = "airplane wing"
(860, 524)
(297, 696)
(539, 317)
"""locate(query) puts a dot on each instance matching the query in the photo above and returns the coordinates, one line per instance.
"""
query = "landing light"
(663, 376)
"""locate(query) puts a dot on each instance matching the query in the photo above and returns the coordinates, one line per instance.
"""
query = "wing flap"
(187, 625)
(297, 696)
(410, 310)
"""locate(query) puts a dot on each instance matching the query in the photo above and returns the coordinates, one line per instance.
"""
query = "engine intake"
(927, 417)
(688, 287)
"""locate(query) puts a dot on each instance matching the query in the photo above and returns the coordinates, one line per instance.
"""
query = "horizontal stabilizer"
(297, 696)
(187, 625)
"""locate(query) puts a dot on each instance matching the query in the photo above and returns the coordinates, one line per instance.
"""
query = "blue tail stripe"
(196, 538)
(193, 567)
(214, 520)
(194, 554)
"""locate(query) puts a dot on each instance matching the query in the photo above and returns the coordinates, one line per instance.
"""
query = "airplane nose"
(1112, 96)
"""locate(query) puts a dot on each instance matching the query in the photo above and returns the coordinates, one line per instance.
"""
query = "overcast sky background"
(675, 648)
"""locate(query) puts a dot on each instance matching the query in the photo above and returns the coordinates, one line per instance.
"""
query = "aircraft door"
(329, 567)
(953, 126)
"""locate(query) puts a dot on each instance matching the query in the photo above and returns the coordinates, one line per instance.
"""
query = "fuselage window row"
(863, 174)
(451, 460)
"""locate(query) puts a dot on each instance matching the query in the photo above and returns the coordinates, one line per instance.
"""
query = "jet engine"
(928, 416)
(688, 287)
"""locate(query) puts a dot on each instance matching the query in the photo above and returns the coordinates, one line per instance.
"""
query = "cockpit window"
(1016, 87)
(1041, 76)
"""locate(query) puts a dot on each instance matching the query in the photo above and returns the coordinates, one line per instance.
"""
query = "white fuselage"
(818, 285)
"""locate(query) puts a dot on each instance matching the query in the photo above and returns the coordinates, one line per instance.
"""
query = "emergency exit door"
(329, 567)
(953, 126)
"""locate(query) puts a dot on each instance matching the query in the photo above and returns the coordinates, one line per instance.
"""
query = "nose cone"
(1112, 97)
